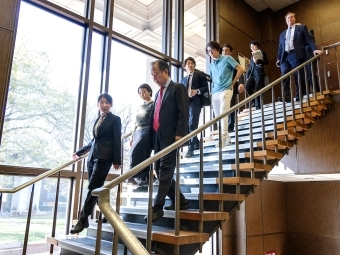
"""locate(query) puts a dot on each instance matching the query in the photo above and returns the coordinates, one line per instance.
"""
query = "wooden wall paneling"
(247, 20)
(313, 244)
(266, 19)
(333, 79)
(228, 35)
(254, 213)
(315, 152)
(273, 207)
(328, 12)
(228, 245)
(255, 245)
(331, 31)
(306, 12)
(7, 12)
(227, 10)
(323, 208)
(276, 242)
(298, 207)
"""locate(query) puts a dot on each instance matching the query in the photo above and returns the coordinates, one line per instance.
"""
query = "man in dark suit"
(255, 74)
(168, 123)
(197, 85)
(291, 53)
(227, 50)
(105, 151)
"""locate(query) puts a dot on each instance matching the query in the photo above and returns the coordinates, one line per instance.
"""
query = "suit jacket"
(257, 69)
(107, 144)
(173, 115)
(199, 81)
(301, 37)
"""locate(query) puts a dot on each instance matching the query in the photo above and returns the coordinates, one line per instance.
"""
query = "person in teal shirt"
(221, 71)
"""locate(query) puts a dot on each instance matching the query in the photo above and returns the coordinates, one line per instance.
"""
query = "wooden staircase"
(196, 227)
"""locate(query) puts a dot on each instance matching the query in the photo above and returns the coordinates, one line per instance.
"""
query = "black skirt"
(140, 151)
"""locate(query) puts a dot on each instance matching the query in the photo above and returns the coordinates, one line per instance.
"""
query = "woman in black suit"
(105, 150)
(140, 149)
(255, 74)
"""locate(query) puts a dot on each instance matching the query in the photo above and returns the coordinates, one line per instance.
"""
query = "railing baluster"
(200, 187)
(337, 65)
(99, 234)
(28, 222)
(177, 193)
(307, 84)
(55, 212)
(149, 215)
(220, 166)
(274, 118)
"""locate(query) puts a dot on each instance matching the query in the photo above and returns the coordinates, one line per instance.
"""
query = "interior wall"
(8, 12)
(313, 217)
(315, 152)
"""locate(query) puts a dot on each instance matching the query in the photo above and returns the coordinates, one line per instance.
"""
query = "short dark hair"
(145, 86)
(227, 46)
(254, 42)
(213, 45)
(188, 58)
(162, 65)
(106, 96)
(290, 13)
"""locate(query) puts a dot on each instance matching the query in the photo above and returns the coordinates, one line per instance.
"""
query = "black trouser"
(97, 170)
(253, 85)
(290, 61)
(231, 116)
(194, 116)
(165, 169)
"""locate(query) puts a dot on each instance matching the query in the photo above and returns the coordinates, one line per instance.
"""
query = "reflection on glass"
(40, 111)
(140, 21)
(195, 33)
(14, 210)
(76, 6)
(129, 69)
(98, 11)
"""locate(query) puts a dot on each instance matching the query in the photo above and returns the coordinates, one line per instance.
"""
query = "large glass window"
(129, 69)
(195, 32)
(40, 112)
(76, 6)
(14, 210)
(140, 20)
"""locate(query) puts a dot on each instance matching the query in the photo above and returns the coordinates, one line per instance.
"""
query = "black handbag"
(206, 99)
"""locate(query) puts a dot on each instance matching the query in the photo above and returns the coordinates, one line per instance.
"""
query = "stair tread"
(190, 214)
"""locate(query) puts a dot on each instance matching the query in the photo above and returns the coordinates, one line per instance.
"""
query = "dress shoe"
(297, 99)
(196, 147)
(156, 215)
(183, 206)
(141, 189)
(230, 129)
(287, 99)
(189, 154)
(225, 143)
(79, 227)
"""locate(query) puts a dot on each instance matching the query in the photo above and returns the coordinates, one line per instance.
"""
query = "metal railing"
(103, 193)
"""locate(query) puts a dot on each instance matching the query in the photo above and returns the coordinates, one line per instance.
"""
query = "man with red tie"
(168, 123)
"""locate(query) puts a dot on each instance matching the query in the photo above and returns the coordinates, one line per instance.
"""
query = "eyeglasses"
(210, 51)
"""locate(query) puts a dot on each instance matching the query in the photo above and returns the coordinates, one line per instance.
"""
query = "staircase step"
(240, 181)
(282, 133)
(83, 245)
(224, 197)
(271, 144)
(191, 214)
(167, 235)
(297, 124)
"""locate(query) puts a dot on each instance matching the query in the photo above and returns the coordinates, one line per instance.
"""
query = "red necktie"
(157, 109)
